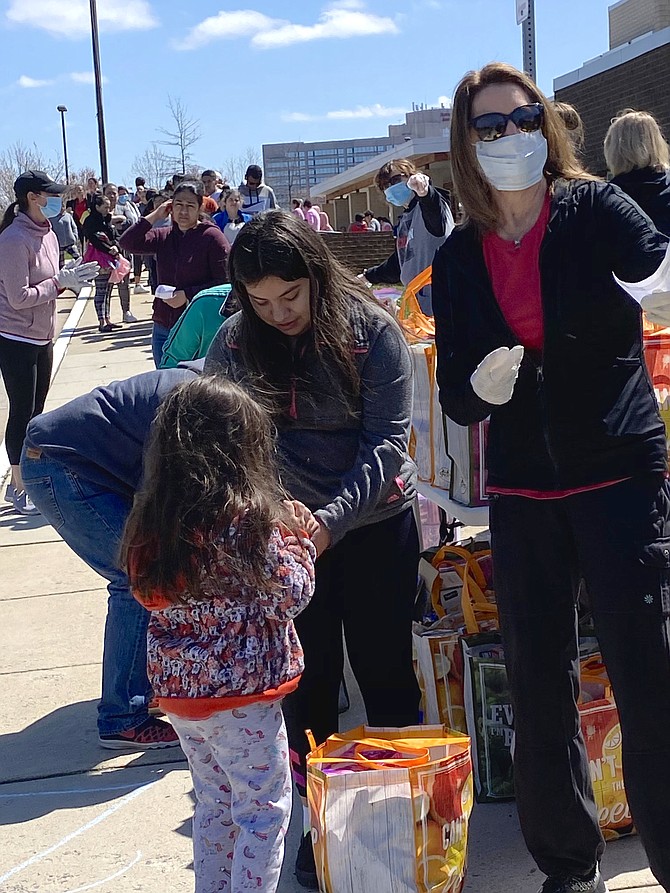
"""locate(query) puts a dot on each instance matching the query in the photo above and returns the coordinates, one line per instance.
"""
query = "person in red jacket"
(191, 255)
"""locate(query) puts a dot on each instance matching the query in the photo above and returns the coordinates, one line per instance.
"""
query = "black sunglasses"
(492, 125)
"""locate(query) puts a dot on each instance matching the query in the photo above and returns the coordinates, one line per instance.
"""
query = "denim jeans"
(159, 335)
(90, 520)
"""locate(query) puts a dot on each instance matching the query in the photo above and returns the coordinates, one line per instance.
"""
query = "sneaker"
(592, 884)
(128, 317)
(154, 709)
(305, 867)
(9, 493)
(141, 290)
(23, 504)
(152, 734)
(105, 327)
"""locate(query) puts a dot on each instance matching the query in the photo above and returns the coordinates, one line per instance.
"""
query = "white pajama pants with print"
(242, 783)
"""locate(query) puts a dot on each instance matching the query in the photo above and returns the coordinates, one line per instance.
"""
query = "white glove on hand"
(75, 275)
(494, 379)
(656, 307)
(419, 183)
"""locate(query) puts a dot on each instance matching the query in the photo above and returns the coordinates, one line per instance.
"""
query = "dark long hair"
(209, 465)
(21, 204)
(279, 244)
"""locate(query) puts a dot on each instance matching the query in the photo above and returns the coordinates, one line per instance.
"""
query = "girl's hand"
(114, 251)
(302, 516)
(178, 299)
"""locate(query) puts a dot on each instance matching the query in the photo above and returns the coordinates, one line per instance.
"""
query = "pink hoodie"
(28, 289)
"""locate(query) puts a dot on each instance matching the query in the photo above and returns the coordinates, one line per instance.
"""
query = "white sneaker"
(128, 317)
(141, 290)
(23, 504)
(9, 492)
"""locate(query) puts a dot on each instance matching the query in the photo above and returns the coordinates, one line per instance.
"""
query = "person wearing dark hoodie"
(639, 159)
(30, 281)
(102, 246)
(423, 228)
(191, 255)
(337, 368)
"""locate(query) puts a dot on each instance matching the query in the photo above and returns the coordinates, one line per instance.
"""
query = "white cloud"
(85, 77)
(340, 20)
(72, 18)
(30, 83)
(228, 26)
(444, 101)
(362, 111)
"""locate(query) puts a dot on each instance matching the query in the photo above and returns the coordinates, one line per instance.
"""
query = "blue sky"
(259, 71)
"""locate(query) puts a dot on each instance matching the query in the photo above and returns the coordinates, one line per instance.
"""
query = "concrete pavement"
(74, 817)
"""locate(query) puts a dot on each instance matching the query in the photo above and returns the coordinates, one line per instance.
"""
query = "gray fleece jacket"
(351, 470)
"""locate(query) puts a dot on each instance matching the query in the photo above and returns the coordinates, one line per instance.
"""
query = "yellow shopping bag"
(390, 810)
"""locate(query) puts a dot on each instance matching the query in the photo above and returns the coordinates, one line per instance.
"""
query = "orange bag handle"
(413, 321)
(473, 599)
(421, 755)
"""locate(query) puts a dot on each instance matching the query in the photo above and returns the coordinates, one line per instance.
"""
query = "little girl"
(222, 562)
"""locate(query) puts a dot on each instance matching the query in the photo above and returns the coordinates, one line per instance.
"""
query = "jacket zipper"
(540, 375)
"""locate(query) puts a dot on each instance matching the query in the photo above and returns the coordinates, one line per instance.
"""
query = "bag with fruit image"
(390, 810)
(602, 736)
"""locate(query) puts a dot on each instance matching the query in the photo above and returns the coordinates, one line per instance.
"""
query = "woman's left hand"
(302, 516)
(178, 299)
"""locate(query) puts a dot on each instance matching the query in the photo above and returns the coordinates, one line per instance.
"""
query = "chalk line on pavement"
(112, 877)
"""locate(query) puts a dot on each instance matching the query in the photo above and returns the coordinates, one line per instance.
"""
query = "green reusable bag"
(489, 716)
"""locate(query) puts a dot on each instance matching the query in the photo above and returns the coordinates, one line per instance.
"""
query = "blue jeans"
(159, 336)
(90, 519)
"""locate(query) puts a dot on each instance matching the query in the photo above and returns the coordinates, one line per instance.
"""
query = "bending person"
(83, 480)
(533, 330)
(338, 371)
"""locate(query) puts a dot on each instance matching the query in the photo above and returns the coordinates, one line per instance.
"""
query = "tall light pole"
(102, 142)
(62, 109)
(525, 16)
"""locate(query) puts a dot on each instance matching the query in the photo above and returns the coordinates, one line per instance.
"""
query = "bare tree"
(18, 158)
(185, 134)
(235, 166)
(154, 165)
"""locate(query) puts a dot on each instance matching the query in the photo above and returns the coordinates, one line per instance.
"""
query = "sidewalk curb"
(60, 349)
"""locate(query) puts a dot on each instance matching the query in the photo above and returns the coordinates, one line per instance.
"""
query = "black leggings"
(26, 372)
(366, 586)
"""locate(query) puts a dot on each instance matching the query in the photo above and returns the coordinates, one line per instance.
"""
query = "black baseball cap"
(37, 181)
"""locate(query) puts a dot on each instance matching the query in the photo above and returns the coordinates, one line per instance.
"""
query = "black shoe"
(305, 867)
(105, 327)
(592, 884)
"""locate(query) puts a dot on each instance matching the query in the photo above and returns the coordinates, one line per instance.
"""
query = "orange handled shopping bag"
(390, 810)
(413, 321)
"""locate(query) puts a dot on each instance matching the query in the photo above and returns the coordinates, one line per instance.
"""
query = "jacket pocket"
(656, 557)
(628, 406)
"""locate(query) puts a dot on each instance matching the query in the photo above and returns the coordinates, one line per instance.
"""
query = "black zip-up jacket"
(583, 412)
(651, 190)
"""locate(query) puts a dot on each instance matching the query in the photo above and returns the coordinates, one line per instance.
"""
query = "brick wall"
(360, 250)
(642, 84)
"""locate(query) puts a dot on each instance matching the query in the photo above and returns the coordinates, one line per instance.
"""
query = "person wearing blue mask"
(424, 226)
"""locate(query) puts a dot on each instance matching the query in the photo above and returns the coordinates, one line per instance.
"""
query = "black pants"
(366, 585)
(618, 539)
(26, 372)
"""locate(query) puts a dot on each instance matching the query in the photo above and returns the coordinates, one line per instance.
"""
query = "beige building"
(629, 19)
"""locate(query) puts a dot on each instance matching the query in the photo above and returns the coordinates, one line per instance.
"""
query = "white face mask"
(514, 162)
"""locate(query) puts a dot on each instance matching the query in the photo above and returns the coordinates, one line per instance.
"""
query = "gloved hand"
(494, 379)
(75, 275)
(419, 183)
(656, 307)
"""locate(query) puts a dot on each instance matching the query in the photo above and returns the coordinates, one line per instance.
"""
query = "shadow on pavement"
(10, 519)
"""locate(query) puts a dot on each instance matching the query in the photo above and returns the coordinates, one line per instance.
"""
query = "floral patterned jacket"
(232, 642)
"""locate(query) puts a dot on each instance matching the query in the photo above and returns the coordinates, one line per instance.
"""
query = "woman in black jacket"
(103, 247)
(639, 159)
(533, 330)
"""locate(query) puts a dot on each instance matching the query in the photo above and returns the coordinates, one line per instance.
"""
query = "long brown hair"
(474, 190)
(209, 469)
(278, 244)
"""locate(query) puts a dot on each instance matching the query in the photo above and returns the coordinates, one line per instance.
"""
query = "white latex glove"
(78, 275)
(494, 379)
(656, 307)
(419, 183)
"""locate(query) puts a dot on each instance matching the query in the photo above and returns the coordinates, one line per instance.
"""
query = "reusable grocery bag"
(466, 445)
(428, 445)
(390, 809)
(489, 716)
(413, 321)
(602, 736)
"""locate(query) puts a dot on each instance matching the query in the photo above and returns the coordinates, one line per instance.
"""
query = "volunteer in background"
(30, 280)
(338, 370)
(639, 158)
(533, 330)
(425, 224)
